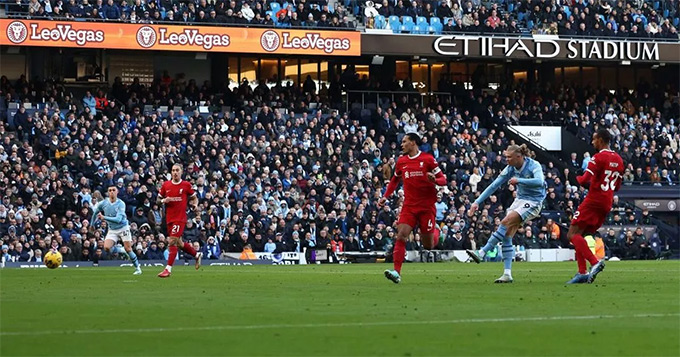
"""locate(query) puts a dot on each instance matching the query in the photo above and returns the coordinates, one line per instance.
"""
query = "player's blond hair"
(519, 149)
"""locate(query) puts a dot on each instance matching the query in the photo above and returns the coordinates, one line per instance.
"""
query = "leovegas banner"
(179, 38)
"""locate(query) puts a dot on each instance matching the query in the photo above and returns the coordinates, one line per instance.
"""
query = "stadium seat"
(420, 20)
(407, 27)
(395, 23)
(379, 22)
(435, 20)
(676, 21)
(419, 29)
(273, 15)
(407, 20)
(511, 7)
(656, 5)
(530, 24)
(274, 6)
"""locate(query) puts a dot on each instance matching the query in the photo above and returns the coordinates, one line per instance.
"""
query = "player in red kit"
(603, 176)
(420, 173)
(175, 194)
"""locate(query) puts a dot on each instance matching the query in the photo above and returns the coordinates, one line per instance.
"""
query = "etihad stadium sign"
(534, 48)
(549, 47)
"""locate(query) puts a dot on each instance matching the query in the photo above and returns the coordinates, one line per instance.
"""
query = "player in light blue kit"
(527, 175)
(112, 210)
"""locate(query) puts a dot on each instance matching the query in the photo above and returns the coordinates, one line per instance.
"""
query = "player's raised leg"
(187, 247)
(496, 237)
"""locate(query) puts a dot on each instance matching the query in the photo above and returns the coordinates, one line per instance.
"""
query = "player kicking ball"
(420, 174)
(527, 174)
(112, 211)
(603, 176)
(175, 194)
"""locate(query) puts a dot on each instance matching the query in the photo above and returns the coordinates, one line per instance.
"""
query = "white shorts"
(123, 234)
(528, 210)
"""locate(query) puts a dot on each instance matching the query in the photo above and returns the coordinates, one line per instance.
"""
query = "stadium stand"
(226, 13)
(280, 165)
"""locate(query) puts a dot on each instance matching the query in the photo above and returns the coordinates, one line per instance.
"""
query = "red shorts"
(423, 218)
(590, 217)
(176, 229)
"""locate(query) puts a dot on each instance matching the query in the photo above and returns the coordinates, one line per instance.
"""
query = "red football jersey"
(418, 190)
(606, 168)
(178, 197)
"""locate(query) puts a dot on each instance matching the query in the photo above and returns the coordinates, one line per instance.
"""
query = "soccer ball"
(53, 259)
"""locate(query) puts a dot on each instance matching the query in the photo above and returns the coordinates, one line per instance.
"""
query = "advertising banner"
(549, 137)
(653, 204)
(537, 47)
(125, 36)
(145, 263)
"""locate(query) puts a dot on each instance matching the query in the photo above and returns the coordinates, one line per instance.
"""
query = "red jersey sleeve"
(189, 189)
(433, 165)
(594, 164)
(397, 168)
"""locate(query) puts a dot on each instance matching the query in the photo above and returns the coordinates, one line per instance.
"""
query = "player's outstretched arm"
(584, 179)
(392, 186)
(500, 180)
(95, 210)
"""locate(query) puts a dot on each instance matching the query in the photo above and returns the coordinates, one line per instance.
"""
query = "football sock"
(133, 257)
(581, 261)
(581, 246)
(398, 254)
(189, 249)
(495, 238)
(508, 253)
(172, 255)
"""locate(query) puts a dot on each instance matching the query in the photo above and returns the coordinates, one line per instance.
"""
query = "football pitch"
(340, 310)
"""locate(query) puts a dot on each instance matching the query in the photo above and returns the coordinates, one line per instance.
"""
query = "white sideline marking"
(332, 324)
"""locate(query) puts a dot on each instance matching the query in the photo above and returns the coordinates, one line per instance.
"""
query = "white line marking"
(334, 324)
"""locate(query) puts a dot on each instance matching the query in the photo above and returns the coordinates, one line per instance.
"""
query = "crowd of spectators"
(602, 18)
(276, 175)
(313, 14)
(637, 19)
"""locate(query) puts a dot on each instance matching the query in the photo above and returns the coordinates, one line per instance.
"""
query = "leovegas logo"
(17, 32)
(270, 41)
(146, 36)
(314, 41)
(63, 33)
(192, 37)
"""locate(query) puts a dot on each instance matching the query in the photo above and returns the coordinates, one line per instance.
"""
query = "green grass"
(340, 310)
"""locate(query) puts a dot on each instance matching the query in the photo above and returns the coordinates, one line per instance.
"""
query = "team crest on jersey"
(421, 164)
(406, 174)
(180, 190)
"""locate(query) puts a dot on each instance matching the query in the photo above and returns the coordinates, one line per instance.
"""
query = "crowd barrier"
(318, 257)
